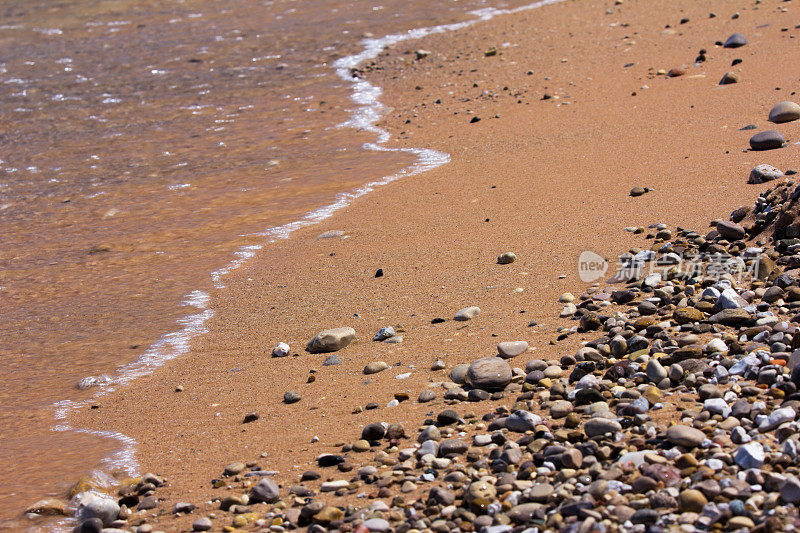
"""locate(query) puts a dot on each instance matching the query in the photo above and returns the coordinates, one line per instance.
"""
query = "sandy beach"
(550, 117)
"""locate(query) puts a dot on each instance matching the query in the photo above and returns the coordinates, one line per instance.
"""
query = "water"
(147, 144)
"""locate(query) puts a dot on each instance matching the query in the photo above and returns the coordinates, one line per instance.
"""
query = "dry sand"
(538, 177)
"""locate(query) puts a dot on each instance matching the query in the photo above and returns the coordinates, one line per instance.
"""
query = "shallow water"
(144, 144)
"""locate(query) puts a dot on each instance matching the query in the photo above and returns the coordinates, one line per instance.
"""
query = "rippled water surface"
(143, 143)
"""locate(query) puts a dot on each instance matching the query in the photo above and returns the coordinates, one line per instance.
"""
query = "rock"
(735, 41)
(450, 447)
(378, 525)
(233, 469)
(374, 431)
(468, 313)
(458, 374)
(281, 350)
(687, 315)
(375, 367)
(750, 455)
(250, 417)
(790, 490)
(776, 418)
(561, 408)
(426, 396)
(510, 349)
(730, 231)
(329, 514)
(94, 506)
(330, 486)
(729, 78)
(638, 191)
(685, 436)
(265, 491)
(767, 140)
(506, 258)
(183, 508)
(384, 333)
(522, 421)
(763, 172)
(595, 427)
(655, 370)
(784, 112)
(332, 360)
(675, 72)
(291, 397)
(92, 525)
(444, 418)
(568, 310)
(331, 340)
(202, 524)
(692, 501)
(489, 373)
(731, 317)
(49, 507)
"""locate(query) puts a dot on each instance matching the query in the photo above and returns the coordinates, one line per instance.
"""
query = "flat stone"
(291, 397)
(784, 112)
(510, 349)
(736, 40)
(49, 507)
(560, 409)
(687, 315)
(730, 230)
(468, 313)
(730, 317)
(458, 374)
(767, 140)
(375, 367)
(384, 333)
(692, 501)
(763, 173)
(489, 373)
(331, 340)
(330, 486)
(378, 525)
(790, 490)
(685, 436)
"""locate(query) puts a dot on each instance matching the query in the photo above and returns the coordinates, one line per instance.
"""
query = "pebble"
(655, 370)
(468, 313)
(489, 373)
(331, 340)
(763, 173)
(784, 112)
(506, 258)
(375, 367)
(729, 78)
(281, 350)
(750, 455)
(291, 397)
(767, 140)
(685, 436)
(595, 427)
(426, 396)
(94, 506)
(384, 333)
(510, 349)
(730, 230)
(202, 524)
(639, 191)
(736, 40)
(265, 491)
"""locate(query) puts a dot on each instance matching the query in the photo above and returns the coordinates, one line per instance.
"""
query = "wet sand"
(551, 179)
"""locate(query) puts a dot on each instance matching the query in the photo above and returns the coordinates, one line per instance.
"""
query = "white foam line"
(363, 118)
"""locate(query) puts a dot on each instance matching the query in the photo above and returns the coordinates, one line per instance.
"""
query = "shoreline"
(382, 203)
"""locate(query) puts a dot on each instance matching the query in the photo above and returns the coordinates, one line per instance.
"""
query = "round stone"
(784, 112)
(202, 524)
(736, 40)
(506, 258)
(767, 140)
(374, 431)
(468, 313)
(692, 501)
(489, 373)
(600, 426)
(458, 374)
(265, 491)
(764, 172)
(510, 349)
(426, 396)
